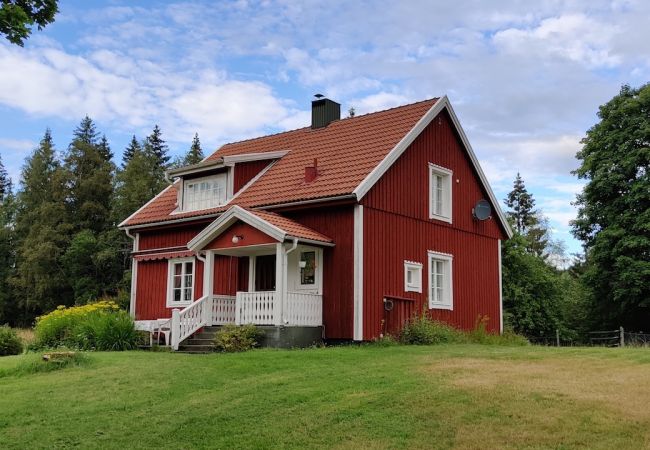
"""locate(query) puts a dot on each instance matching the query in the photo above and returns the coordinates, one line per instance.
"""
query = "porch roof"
(274, 225)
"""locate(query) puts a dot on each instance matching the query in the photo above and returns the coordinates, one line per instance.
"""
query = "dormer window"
(205, 192)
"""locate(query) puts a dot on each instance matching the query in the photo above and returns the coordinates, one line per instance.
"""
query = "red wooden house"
(343, 229)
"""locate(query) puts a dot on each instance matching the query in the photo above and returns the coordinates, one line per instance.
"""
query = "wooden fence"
(607, 338)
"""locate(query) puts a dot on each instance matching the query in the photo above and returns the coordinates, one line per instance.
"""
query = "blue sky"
(526, 78)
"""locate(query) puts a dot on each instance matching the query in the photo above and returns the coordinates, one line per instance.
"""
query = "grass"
(446, 396)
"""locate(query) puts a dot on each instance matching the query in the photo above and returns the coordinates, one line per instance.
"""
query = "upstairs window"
(440, 185)
(441, 294)
(204, 193)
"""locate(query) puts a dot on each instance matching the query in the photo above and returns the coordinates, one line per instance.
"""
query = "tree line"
(609, 285)
(59, 242)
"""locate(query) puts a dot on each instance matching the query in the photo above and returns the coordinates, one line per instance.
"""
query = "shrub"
(233, 338)
(10, 343)
(97, 326)
(421, 330)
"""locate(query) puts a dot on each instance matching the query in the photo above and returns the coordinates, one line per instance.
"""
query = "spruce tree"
(43, 229)
(105, 148)
(133, 147)
(527, 221)
(89, 180)
(5, 181)
(8, 242)
(157, 146)
(195, 154)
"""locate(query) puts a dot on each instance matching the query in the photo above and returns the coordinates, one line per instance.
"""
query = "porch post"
(208, 275)
(280, 283)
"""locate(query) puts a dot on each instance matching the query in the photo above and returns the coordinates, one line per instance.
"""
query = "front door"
(265, 273)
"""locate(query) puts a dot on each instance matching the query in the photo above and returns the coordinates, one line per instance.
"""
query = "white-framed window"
(441, 294)
(412, 276)
(307, 266)
(205, 192)
(180, 282)
(440, 187)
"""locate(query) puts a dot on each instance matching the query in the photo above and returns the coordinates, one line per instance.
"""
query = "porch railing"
(304, 309)
(258, 308)
(255, 307)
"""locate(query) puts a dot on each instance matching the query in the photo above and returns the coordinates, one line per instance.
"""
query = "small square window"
(440, 187)
(412, 276)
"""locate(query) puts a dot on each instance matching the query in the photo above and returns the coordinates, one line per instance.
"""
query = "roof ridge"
(307, 127)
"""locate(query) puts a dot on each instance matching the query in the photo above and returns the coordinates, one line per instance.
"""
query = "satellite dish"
(482, 210)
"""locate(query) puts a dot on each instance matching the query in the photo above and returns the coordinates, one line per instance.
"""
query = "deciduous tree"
(613, 219)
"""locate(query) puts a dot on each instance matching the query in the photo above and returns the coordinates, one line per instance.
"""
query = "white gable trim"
(125, 221)
(442, 103)
(249, 157)
(228, 218)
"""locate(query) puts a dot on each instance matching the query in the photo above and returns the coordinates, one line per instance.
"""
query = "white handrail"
(186, 322)
(255, 307)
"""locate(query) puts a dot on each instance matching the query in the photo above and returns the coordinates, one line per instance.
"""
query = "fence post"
(176, 328)
(557, 337)
(622, 337)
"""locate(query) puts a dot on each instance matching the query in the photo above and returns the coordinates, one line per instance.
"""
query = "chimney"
(324, 111)
(311, 172)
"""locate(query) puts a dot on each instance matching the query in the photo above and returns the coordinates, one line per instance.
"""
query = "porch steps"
(200, 342)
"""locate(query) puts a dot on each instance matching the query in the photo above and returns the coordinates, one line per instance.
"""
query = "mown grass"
(446, 396)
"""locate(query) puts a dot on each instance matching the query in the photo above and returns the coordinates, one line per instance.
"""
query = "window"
(441, 295)
(308, 268)
(412, 276)
(180, 284)
(204, 193)
(440, 186)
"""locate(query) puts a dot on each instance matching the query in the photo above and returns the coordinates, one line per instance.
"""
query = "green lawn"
(448, 396)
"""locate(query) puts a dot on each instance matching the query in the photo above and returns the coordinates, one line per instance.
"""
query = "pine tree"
(43, 231)
(89, 180)
(133, 147)
(195, 154)
(158, 147)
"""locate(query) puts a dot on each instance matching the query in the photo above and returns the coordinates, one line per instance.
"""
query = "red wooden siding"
(338, 266)
(225, 272)
(151, 290)
(397, 228)
(404, 187)
(390, 239)
(244, 172)
(251, 236)
(169, 237)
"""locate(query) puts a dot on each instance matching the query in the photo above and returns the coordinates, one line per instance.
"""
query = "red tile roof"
(291, 227)
(347, 151)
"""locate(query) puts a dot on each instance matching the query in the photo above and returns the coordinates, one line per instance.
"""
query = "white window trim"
(416, 285)
(449, 259)
(447, 175)
(229, 179)
(170, 281)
